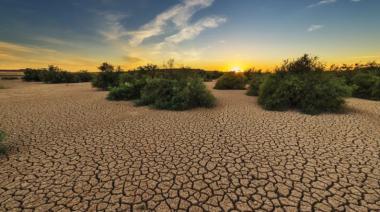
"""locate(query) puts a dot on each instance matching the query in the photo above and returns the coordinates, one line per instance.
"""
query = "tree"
(105, 67)
(170, 63)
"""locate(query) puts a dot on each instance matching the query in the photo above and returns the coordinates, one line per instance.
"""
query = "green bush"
(254, 85)
(280, 92)
(32, 75)
(303, 85)
(2, 146)
(253, 73)
(209, 76)
(55, 75)
(84, 76)
(153, 71)
(107, 78)
(376, 91)
(231, 81)
(172, 94)
(127, 91)
(123, 92)
(322, 93)
(365, 85)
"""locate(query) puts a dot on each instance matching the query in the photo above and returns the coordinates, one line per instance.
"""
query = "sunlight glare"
(236, 69)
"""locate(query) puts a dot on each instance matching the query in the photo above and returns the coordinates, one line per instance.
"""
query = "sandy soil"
(71, 149)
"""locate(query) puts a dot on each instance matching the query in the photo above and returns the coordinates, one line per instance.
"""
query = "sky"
(209, 34)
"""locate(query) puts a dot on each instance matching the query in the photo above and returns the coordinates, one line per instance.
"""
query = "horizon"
(327, 68)
(202, 34)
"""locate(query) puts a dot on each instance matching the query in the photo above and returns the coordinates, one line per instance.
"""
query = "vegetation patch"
(302, 85)
(231, 81)
(108, 77)
(174, 94)
(53, 74)
(363, 78)
(129, 90)
(254, 85)
(366, 86)
(167, 90)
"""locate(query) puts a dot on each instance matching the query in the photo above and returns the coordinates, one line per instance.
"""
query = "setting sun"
(236, 69)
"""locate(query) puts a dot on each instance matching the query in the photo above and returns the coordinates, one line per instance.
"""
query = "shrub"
(231, 81)
(32, 75)
(154, 88)
(172, 94)
(254, 85)
(127, 91)
(365, 85)
(169, 89)
(279, 92)
(303, 85)
(199, 95)
(107, 78)
(55, 75)
(123, 92)
(253, 73)
(376, 91)
(84, 76)
(208, 76)
(322, 93)
(2, 146)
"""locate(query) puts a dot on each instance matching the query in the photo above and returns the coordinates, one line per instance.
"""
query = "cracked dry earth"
(72, 150)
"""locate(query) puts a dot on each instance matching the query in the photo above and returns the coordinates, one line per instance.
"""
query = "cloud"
(367, 57)
(192, 31)
(54, 41)
(179, 14)
(16, 56)
(322, 2)
(6, 47)
(131, 59)
(115, 29)
(173, 26)
(326, 2)
(313, 28)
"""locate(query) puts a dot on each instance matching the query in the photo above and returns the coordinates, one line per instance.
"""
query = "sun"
(236, 69)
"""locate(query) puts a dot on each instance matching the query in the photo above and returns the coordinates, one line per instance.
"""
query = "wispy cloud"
(322, 2)
(6, 47)
(326, 2)
(132, 59)
(367, 57)
(315, 27)
(54, 41)
(179, 15)
(115, 29)
(14, 55)
(192, 31)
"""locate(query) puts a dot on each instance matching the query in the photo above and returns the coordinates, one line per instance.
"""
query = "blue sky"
(211, 34)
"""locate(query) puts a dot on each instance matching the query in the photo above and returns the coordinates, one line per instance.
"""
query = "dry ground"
(71, 149)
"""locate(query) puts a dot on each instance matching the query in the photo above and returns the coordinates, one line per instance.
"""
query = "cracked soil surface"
(70, 149)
